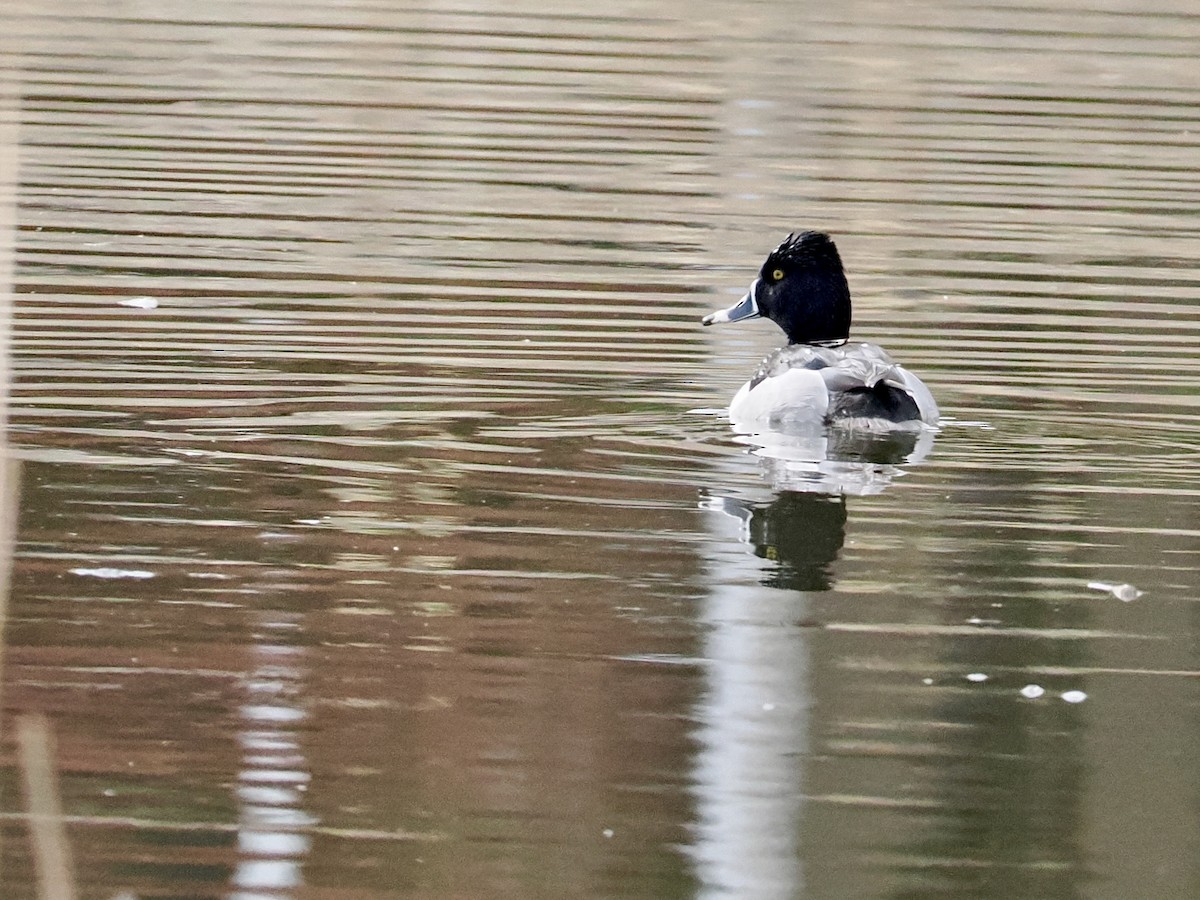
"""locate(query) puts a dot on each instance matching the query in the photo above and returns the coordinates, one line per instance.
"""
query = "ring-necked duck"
(817, 377)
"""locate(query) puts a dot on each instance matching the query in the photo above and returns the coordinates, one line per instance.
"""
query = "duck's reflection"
(837, 461)
(801, 534)
(766, 560)
(272, 842)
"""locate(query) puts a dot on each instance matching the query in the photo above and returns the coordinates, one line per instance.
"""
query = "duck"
(819, 377)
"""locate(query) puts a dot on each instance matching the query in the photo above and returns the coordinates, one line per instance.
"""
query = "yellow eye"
(777, 275)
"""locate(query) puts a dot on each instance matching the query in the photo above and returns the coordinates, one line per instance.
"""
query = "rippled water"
(381, 535)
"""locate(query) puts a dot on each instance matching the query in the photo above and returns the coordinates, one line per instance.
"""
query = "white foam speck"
(1074, 696)
(1032, 691)
(1123, 592)
(977, 676)
(140, 302)
(105, 572)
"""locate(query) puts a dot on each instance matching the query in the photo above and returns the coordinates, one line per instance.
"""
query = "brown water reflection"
(379, 538)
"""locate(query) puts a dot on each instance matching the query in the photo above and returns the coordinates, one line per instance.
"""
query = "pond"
(382, 533)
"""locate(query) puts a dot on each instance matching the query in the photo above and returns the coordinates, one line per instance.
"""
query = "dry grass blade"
(51, 852)
(10, 106)
(10, 493)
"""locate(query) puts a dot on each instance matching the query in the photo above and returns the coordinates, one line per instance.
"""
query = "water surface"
(380, 536)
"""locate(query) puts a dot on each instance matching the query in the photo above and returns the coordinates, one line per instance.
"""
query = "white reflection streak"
(753, 732)
(272, 842)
